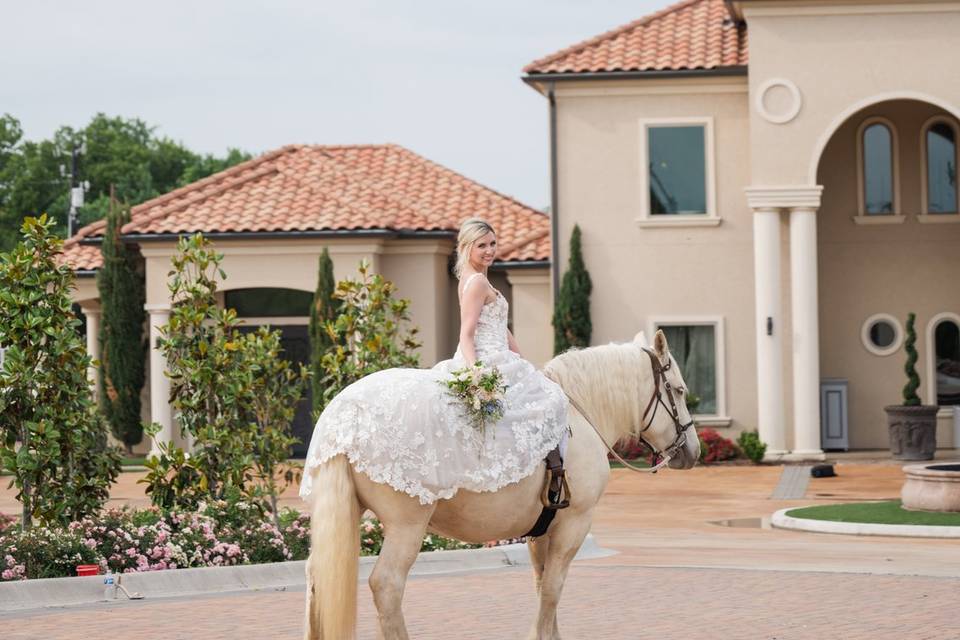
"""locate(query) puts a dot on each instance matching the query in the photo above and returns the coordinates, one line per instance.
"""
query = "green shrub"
(751, 445)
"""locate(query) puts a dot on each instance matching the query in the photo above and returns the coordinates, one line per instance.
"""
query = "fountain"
(932, 487)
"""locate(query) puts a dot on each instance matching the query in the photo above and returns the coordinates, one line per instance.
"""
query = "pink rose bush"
(219, 533)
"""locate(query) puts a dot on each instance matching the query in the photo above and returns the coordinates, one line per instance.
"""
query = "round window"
(881, 334)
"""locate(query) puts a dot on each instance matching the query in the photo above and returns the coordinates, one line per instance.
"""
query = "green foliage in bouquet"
(369, 334)
(479, 390)
(52, 439)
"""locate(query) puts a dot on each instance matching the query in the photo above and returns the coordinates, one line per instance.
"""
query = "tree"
(323, 310)
(62, 467)
(123, 348)
(369, 332)
(571, 315)
(272, 400)
(210, 386)
(910, 397)
(123, 152)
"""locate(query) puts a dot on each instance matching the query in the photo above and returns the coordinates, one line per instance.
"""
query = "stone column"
(766, 260)
(159, 383)
(806, 333)
(91, 311)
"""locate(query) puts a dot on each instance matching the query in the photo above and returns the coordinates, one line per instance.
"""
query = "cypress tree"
(571, 314)
(910, 397)
(122, 344)
(323, 310)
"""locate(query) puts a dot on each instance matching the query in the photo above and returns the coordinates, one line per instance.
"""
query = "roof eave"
(521, 264)
(279, 235)
(733, 70)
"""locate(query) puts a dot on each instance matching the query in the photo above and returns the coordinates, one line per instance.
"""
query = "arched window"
(878, 169)
(947, 351)
(940, 155)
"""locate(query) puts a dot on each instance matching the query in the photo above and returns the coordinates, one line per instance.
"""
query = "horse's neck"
(608, 384)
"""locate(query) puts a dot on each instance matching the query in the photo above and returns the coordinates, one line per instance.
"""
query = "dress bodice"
(491, 333)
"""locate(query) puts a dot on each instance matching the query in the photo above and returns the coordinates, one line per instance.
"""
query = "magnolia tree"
(370, 332)
(52, 439)
(233, 395)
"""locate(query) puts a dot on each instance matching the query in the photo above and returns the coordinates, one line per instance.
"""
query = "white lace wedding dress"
(401, 427)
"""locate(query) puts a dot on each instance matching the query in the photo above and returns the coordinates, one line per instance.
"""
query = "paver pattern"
(676, 576)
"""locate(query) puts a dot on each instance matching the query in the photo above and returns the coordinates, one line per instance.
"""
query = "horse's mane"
(606, 380)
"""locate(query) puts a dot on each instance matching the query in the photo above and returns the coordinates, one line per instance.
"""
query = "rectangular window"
(696, 343)
(677, 170)
(677, 184)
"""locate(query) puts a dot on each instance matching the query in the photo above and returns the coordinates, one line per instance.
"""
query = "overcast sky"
(441, 77)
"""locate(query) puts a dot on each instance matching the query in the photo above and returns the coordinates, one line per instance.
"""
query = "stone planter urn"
(913, 431)
(931, 487)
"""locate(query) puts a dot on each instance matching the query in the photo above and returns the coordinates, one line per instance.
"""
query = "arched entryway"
(888, 244)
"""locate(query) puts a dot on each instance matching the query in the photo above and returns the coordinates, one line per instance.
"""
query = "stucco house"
(775, 184)
(271, 217)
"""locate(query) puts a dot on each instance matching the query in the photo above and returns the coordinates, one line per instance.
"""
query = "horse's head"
(666, 423)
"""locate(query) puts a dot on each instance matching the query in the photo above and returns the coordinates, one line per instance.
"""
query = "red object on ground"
(88, 569)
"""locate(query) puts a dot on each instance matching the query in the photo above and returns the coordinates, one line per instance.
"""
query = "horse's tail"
(334, 553)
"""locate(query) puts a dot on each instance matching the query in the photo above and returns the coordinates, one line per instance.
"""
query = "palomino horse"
(624, 389)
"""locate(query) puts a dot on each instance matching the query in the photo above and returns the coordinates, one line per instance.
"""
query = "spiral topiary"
(910, 397)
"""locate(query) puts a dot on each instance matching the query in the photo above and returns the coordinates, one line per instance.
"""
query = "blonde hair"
(471, 230)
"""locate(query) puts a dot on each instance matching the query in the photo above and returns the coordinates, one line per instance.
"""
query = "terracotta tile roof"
(693, 34)
(331, 188)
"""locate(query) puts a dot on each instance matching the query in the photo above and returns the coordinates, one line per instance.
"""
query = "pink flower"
(7, 574)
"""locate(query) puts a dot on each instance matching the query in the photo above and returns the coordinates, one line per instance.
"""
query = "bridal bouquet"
(480, 390)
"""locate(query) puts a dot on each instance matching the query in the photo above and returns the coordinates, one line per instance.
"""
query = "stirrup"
(556, 491)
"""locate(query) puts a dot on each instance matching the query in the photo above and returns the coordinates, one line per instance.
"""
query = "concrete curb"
(61, 592)
(781, 520)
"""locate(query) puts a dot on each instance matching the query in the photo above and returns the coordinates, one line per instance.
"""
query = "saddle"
(555, 494)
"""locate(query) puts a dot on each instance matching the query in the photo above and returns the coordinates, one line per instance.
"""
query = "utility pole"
(77, 188)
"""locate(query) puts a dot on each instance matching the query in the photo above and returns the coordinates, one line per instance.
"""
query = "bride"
(401, 427)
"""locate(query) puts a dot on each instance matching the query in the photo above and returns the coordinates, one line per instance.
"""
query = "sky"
(441, 78)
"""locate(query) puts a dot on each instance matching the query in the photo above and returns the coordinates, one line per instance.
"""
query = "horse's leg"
(538, 557)
(401, 544)
(563, 541)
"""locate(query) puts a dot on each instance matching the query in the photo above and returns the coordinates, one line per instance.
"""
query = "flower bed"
(219, 533)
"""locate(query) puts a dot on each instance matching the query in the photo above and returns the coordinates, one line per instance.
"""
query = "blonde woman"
(402, 427)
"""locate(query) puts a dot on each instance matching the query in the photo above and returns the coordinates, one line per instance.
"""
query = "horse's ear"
(660, 346)
(641, 339)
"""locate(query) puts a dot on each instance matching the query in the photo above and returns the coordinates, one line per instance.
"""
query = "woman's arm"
(512, 343)
(471, 304)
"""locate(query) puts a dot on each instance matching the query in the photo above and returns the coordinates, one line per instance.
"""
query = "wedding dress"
(402, 427)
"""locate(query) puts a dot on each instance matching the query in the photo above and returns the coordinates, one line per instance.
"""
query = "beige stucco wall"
(886, 268)
(531, 311)
(639, 273)
(841, 56)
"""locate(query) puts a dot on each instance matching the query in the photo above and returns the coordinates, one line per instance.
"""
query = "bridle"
(656, 401)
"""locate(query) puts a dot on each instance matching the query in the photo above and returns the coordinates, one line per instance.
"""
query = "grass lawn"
(888, 512)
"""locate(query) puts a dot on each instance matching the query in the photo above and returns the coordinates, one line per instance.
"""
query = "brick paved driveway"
(676, 576)
(692, 604)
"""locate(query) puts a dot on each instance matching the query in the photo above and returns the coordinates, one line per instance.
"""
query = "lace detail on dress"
(401, 428)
